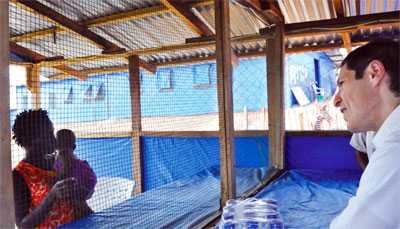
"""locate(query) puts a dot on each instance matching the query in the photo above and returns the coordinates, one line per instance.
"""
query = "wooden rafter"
(27, 54)
(345, 24)
(185, 14)
(150, 67)
(71, 25)
(322, 27)
(255, 53)
(35, 58)
(339, 8)
(346, 41)
(271, 8)
(33, 84)
(268, 11)
(195, 23)
(358, 7)
(116, 18)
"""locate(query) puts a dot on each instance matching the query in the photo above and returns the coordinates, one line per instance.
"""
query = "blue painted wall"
(192, 92)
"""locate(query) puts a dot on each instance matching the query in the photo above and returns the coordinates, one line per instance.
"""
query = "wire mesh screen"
(82, 143)
(181, 98)
(250, 113)
(310, 85)
(250, 94)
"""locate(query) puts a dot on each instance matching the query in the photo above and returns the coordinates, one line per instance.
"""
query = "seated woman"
(39, 203)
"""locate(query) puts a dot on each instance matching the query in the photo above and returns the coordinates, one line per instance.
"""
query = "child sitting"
(68, 165)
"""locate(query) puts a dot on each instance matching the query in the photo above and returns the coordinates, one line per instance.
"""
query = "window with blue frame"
(87, 96)
(70, 97)
(100, 95)
(202, 76)
(164, 80)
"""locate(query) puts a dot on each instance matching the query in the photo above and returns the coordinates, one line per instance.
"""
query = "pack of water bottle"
(251, 213)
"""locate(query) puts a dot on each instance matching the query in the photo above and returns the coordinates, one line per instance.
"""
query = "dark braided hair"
(29, 124)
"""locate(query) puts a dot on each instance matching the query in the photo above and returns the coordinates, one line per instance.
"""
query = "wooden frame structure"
(134, 82)
(225, 101)
(275, 90)
(275, 34)
(6, 185)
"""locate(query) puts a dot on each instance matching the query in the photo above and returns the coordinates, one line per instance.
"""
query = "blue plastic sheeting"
(320, 153)
(311, 199)
(167, 159)
(181, 204)
(110, 157)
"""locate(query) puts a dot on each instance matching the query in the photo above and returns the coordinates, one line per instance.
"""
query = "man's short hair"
(65, 138)
(29, 124)
(384, 50)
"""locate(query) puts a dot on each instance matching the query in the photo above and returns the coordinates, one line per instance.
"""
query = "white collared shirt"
(363, 142)
(377, 201)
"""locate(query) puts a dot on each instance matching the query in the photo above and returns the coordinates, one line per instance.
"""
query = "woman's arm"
(22, 201)
(63, 189)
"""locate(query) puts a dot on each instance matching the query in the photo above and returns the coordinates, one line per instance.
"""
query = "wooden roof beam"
(27, 54)
(150, 67)
(184, 12)
(272, 10)
(347, 41)
(69, 24)
(35, 58)
(116, 18)
(339, 8)
(194, 60)
(268, 11)
(346, 24)
(93, 71)
(301, 31)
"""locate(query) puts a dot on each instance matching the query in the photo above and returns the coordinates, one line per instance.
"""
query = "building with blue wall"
(181, 90)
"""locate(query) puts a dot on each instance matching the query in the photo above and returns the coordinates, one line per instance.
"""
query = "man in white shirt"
(362, 142)
(369, 98)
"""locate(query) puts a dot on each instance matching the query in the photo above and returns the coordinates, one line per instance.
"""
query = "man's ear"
(375, 72)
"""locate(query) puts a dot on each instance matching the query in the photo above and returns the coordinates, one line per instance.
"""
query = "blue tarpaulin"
(310, 198)
(170, 158)
(183, 185)
(180, 204)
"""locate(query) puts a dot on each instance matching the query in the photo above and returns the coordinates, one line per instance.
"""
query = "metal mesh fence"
(158, 165)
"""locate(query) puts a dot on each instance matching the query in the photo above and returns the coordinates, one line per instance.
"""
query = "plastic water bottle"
(251, 214)
(229, 224)
(274, 222)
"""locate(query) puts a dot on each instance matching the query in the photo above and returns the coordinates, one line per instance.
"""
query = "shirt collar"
(391, 124)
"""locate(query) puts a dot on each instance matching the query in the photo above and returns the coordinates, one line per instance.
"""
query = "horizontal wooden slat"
(242, 133)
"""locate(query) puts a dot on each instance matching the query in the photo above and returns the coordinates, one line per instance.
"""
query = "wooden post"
(33, 84)
(134, 81)
(225, 103)
(276, 114)
(7, 219)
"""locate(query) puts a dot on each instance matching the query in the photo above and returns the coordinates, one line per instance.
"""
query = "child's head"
(65, 140)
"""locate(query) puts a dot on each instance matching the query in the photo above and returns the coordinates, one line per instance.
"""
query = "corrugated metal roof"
(164, 29)
(154, 31)
(80, 10)
(23, 21)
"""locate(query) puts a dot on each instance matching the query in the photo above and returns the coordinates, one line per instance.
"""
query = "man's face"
(353, 99)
